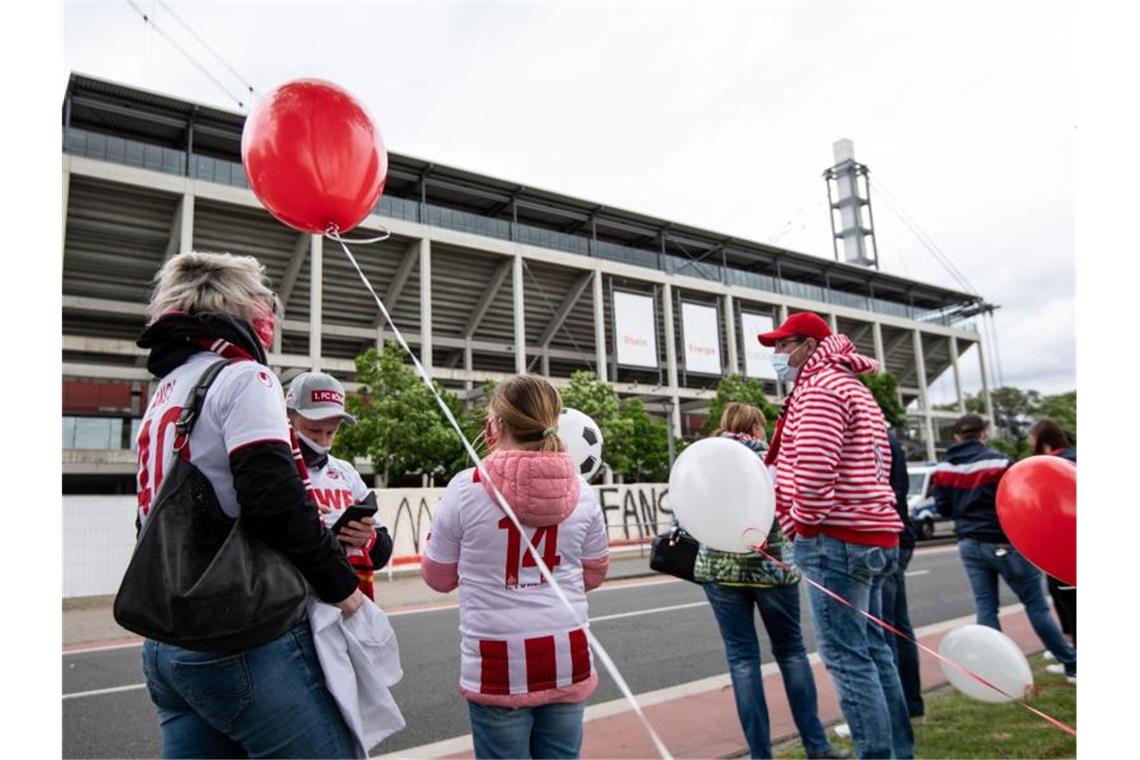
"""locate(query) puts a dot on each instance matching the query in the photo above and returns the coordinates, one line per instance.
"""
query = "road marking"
(97, 692)
(636, 613)
(913, 573)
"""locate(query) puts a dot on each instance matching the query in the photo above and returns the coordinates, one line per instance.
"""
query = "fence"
(99, 531)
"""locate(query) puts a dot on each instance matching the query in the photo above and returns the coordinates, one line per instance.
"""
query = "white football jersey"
(517, 636)
(244, 405)
(336, 487)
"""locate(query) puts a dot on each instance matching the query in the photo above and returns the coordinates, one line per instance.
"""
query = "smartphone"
(367, 508)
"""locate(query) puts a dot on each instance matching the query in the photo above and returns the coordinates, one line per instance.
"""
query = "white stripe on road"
(635, 613)
(913, 573)
(97, 692)
(464, 743)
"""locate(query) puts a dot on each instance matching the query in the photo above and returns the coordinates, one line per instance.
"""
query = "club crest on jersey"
(332, 474)
(328, 397)
(264, 379)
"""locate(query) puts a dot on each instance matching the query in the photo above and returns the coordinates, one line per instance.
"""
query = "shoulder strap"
(193, 407)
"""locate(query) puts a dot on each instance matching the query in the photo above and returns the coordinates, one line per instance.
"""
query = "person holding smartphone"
(315, 404)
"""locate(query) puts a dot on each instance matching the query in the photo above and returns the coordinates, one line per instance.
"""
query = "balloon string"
(333, 234)
(884, 624)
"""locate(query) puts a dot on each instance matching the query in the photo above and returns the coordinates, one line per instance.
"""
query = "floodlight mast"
(850, 197)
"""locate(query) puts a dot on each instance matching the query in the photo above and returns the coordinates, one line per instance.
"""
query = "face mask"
(784, 371)
(264, 325)
(489, 436)
(313, 444)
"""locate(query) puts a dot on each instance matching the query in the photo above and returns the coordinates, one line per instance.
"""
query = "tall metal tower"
(850, 197)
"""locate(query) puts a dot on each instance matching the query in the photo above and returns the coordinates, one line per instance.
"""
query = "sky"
(718, 115)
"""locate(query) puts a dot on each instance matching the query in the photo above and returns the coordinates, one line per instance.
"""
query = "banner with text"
(702, 338)
(757, 361)
(635, 330)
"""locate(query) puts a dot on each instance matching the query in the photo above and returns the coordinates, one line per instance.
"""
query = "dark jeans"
(780, 610)
(1065, 605)
(985, 562)
(267, 701)
(905, 652)
(854, 649)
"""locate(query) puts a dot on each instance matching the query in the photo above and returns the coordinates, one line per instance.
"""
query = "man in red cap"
(834, 497)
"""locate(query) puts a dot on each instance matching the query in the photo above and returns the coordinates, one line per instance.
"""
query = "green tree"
(637, 445)
(1062, 409)
(401, 427)
(885, 388)
(744, 391)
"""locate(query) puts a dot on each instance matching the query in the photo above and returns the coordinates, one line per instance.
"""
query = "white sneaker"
(843, 731)
(1049, 655)
(1071, 679)
(1056, 669)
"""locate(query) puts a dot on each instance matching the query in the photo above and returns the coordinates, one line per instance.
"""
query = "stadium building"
(485, 278)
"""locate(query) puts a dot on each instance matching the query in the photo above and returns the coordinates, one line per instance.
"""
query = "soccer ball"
(583, 439)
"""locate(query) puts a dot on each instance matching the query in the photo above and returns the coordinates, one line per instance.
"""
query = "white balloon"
(993, 656)
(583, 440)
(721, 493)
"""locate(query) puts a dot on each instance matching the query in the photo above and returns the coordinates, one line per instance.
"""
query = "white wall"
(99, 531)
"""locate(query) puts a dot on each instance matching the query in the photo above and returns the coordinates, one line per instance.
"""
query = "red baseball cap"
(805, 323)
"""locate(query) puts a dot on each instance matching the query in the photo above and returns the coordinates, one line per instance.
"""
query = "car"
(923, 516)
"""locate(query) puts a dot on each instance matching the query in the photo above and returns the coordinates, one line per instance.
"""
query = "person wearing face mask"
(834, 499)
(207, 310)
(315, 403)
(737, 585)
(525, 664)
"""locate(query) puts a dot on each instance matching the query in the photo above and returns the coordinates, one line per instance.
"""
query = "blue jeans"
(547, 731)
(854, 649)
(267, 701)
(905, 652)
(780, 610)
(984, 562)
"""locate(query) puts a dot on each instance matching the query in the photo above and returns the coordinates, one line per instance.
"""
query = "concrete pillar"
(783, 309)
(880, 353)
(425, 306)
(986, 385)
(730, 331)
(923, 394)
(600, 327)
(468, 362)
(671, 358)
(520, 315)
(316, 282)
(833, 322)
(781, 390)
(957, 374)
(186, 229)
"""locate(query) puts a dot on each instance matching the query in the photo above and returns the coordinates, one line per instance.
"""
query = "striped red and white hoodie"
(833, 459)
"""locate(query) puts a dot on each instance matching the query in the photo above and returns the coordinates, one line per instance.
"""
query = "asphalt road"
(659, 635)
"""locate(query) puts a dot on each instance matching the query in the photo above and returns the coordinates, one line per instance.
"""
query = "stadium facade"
(484, 277)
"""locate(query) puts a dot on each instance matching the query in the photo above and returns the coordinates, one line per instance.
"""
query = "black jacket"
(965, 488)
(900, 484)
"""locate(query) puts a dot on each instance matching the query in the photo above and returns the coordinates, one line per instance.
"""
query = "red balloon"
(1037, 508)
(313, 156)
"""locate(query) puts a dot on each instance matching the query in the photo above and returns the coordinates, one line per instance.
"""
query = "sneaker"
(833, 754)
(1071, 679)
(842, 730)
(1056, 669)
(1049, 655)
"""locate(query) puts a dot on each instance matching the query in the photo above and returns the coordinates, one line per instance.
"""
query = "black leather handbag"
(197, 579)
(674, 553)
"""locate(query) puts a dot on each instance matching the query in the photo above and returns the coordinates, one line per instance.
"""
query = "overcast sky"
(718, 115)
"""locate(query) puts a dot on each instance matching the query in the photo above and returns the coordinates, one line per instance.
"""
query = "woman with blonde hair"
(525, 665)
(738, 584)
(216, 313)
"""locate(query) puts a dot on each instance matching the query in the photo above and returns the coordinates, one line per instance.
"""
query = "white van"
(920, 501)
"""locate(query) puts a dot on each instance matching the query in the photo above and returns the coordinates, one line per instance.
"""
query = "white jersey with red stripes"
(244, 405)
(336, 487)
(517, 636)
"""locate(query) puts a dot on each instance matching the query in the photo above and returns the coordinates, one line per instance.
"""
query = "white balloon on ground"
(583, 440)
(993, 656)
(722, 494)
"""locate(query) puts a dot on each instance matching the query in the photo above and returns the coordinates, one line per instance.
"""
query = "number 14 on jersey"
(518, 557)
